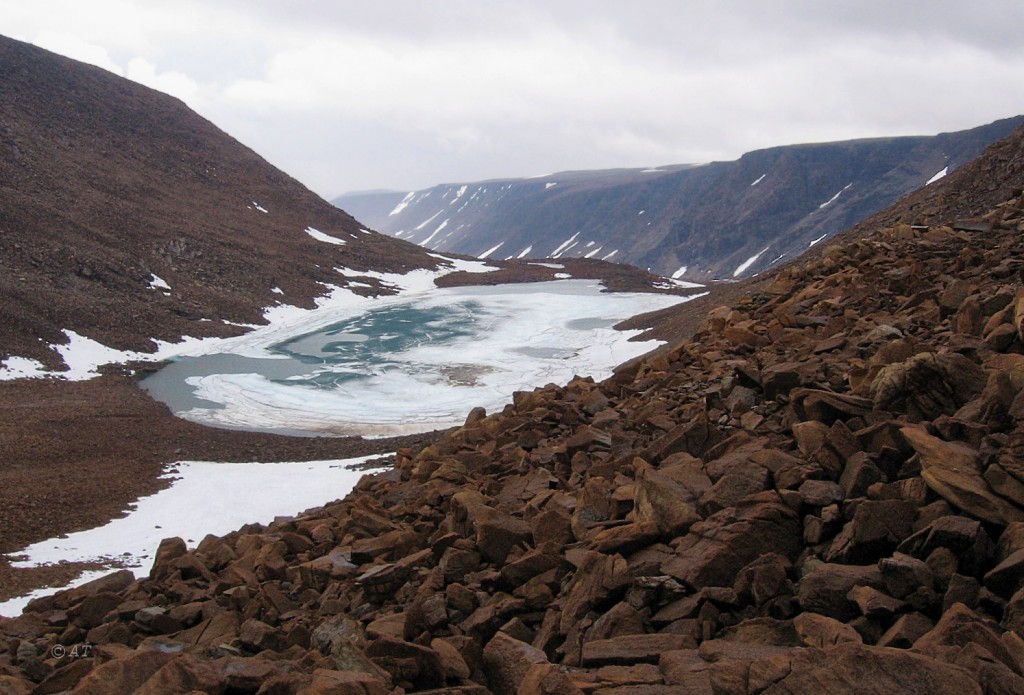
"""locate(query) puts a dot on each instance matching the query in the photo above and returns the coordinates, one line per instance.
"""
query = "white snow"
(466, 266)
(747, 263)
(679, 273)
(562, 276)
(550, 184)
(21, 368)
(259, 207)
(640, 213)
(652, 171)
(491, 250)
(458, 194)
(817, 240)
(428, 239)
(835, 197)
(423, 224)
(556, 266)
(205, 498)
(404, 204)
(156, 283)
(320, 236)
(939, 175)
(277, 290)
(610, 255)
(522, 254)
(759, 179)
(565, 245)
(592, 253)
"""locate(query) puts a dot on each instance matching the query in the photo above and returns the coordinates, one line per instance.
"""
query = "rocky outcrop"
(852, 527)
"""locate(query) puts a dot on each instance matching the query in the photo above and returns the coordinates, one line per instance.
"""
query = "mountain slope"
(718, 220)
(105, 184)
(820, 492)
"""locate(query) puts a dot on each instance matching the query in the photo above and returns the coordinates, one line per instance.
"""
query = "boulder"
(816, 630)
(717, 548)
(927, 385)
(826, 588)
(951, 470)
(507, 662)
(856, 669)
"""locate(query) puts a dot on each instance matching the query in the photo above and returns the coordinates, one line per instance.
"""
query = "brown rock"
(875, 530)
(124, 675)
(855, 669)
(716, 549)
(507, 662)
(952, 471)
(408, 662)
(905, 631)
(686, 669)
(598, 578)
(825, 589)
(816, 630)
(169, 550)
(633, 649)
(928, 385)
(964, 537)
(1008, 576)
(668, 497)
(872, 603)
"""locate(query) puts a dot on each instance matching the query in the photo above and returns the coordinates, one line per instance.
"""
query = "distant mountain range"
(721, 220)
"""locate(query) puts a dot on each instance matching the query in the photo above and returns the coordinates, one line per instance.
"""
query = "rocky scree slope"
(105, 184)
(710, 219)
(822, 491)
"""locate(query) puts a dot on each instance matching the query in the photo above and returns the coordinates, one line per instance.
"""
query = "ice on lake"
(410, 363)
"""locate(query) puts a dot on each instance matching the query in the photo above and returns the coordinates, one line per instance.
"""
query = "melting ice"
(411, 363)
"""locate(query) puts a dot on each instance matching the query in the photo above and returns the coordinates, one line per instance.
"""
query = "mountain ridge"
(698, 222)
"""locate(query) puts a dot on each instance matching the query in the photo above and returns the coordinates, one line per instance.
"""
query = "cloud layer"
(405, 94)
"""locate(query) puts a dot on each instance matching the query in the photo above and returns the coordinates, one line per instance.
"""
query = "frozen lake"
(408, 363)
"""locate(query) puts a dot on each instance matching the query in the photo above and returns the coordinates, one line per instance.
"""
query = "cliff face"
(822, 491)
(106, 185)
(712, 219)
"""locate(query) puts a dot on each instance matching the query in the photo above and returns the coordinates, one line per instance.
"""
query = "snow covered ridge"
(84, 356)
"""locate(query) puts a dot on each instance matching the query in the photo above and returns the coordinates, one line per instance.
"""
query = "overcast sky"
(405, 94)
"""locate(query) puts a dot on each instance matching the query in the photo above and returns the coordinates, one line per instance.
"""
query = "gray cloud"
(403, 94)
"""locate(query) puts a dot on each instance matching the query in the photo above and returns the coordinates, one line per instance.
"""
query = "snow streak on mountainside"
(710, 219)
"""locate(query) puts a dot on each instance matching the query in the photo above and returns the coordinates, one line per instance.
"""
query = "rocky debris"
(818, 493)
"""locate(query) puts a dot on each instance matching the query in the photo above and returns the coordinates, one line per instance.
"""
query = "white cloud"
(405, 94)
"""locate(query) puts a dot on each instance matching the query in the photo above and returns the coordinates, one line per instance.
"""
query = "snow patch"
(320, 236)
(404, 204)
(759, 179)
(747, 263)
(835, 197)
(817, 240)
(564, 245)
(22, 368)
(423, 224)
(550, 184)
(522, 254)
(429, 238)
(277, 290)
(491, 250)
(939, 175)
(610, 255)
(259, 207)
(679, 273)
(556, 266)
(205, 497)
(156, 283)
